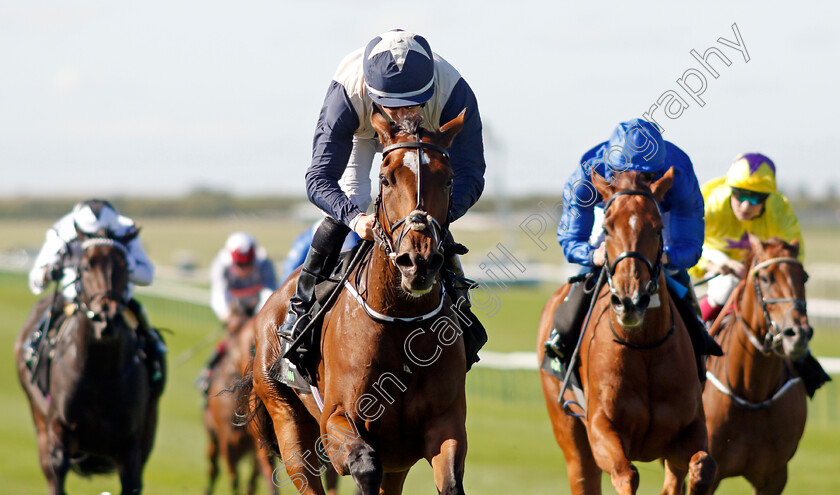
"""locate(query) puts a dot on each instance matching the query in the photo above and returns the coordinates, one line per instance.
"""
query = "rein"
(654, 268)
(772, 339)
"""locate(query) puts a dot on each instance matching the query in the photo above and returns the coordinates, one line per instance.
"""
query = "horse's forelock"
(410, 123)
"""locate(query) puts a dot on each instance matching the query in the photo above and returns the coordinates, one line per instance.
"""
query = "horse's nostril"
(789, 332)
(644, 300)
(615, 301)
(404, 260)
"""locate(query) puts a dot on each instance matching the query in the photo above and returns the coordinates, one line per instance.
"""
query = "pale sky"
(156, 97)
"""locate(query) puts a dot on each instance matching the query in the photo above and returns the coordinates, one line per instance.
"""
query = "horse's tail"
(252, 413)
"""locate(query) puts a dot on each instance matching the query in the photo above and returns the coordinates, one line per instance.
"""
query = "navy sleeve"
(466, 154)
(269, 278)
(575, 228)
(331, 149)
(687, 226)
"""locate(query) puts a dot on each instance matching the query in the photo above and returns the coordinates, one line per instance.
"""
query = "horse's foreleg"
(231, 458)
(332, 480)
(130, 468)
(608, 451)
(674, 480)
(57, 459)
(773, 484)
(691, 454)
(213, 459)
(346, 449)
(446, 451)
(392, 483)
(583, 473)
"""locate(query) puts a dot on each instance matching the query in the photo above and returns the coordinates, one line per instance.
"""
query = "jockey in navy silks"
(635, 145)
(394, 70)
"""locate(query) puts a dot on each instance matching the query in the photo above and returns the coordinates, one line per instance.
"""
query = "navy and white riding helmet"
(399, 69)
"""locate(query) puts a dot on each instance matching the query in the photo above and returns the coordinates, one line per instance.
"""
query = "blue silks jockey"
(397, 70)
(636, 145)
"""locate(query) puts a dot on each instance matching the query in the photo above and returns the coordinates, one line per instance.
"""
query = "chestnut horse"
(393, 363)
(637, 367)
(227, 437)
(755, 403)
(101, 411)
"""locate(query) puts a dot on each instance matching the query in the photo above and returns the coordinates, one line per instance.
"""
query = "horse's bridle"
(419, 218)
(85, 301)
(773, 338)
(654, 268)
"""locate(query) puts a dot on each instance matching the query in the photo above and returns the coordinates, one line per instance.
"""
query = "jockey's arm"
(686, 225)
(577, 219)
(466, 154)
(140, 269)
(219, 294)
(47, 260)
(331, 148)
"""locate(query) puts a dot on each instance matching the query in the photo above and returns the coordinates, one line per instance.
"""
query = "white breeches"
(720, 287)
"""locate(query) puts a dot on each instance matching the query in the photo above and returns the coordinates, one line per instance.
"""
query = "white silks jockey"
(58, 262)
(60, 254)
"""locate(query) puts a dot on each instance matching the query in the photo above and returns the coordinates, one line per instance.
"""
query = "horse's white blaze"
(632, 222)
(410, 161)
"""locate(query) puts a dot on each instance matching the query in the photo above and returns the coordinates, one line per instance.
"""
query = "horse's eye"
(383, 180)
(764, 279)
(449, 182)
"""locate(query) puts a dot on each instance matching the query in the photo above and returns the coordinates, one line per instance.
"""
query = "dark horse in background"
(393, 362)
(100, 413)
(755, 399)
(227, 437)
(642, 398)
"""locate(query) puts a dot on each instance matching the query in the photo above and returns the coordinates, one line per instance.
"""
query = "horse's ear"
(795, 246)
(660, 187)
(757, 245)
(604, 188)
(449, 130)
(129, 236)
(382, 126)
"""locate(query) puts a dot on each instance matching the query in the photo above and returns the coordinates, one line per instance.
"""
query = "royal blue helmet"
(636, 145)
(399, 69)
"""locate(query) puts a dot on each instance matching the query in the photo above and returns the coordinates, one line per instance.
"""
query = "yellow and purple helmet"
(753, 172)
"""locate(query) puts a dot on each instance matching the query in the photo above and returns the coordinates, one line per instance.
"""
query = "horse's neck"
(382, 291)
(98, 358)
(751, 374)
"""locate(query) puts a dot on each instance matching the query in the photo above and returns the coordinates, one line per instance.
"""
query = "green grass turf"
(511, 448)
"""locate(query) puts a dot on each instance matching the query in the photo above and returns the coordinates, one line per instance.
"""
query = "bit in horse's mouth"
(415, 293)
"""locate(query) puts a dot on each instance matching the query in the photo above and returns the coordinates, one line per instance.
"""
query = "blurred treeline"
(207, 203)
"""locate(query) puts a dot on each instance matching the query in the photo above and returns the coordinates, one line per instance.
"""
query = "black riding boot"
(569, 316)
(812, 373)
(701, 341)
(475, 336)
(154, 348)
(320, 262)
